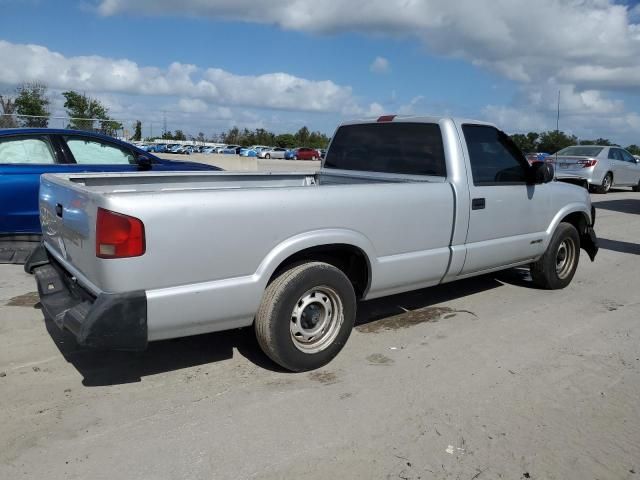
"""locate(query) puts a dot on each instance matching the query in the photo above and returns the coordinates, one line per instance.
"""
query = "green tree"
(598, 141)
(633, 149)
(7, 109)
(302, 137)
(285, 140)
(318, 140)
(232, 137)
(111, 127)
(200, 137)
(84, 111)
(32, 100)
(137, 131)
(554, 140)
(264, 137)
(527, 143)
(179, 135)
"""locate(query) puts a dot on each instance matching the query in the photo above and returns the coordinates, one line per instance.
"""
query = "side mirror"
(144, 163)
(540, 172)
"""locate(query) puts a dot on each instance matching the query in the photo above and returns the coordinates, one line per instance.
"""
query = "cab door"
(507, 216)
(23, 158)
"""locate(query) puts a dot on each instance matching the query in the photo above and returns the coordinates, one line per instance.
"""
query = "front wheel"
(306, 316)
(636, 188)
(556, 268)
(267, 156)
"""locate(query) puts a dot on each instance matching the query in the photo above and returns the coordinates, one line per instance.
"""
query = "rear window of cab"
(396, 147)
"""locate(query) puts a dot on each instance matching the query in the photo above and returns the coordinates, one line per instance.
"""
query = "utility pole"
(558, 117)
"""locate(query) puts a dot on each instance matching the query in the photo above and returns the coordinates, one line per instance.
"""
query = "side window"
(493, 156)
(92, 152)
(35, 151)
(627, 156)
(614, 154)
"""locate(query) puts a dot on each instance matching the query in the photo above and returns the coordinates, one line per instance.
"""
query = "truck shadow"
(625, 205)
(102, 368)
(619, 246)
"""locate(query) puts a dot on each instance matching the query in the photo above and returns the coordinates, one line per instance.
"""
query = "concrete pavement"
(481, 379)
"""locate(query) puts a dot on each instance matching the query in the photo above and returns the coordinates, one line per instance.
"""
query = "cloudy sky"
(206, 65)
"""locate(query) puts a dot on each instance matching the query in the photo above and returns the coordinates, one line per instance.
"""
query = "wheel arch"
(348, 251)
(582, 220)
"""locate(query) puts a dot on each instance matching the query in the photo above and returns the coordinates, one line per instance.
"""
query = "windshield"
(586, 151)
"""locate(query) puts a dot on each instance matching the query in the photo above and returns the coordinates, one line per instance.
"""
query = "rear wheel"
(637, 187)
(306, 316)
(556, 268)
(267, 156)
(607, 181)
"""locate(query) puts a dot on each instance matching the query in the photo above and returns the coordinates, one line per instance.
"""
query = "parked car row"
(260, 151)
(176, 148)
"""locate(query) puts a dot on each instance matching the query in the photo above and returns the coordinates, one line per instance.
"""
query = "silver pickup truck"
(399, 204)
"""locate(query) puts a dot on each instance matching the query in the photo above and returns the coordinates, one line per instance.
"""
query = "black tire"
(295, 157)
(550, 272)
(277, 318)
(607, 181)
(267, 156)
(636, 188)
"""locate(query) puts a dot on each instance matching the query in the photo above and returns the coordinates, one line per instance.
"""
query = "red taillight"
(587, 163)
(118, 235)
(386, 118)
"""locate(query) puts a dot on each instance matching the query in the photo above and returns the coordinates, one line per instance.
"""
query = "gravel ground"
(486, 378)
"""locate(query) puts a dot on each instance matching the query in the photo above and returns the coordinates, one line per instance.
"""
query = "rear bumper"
(113, 321)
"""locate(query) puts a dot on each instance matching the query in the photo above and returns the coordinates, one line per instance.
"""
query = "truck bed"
(163, 182)
(233, 220)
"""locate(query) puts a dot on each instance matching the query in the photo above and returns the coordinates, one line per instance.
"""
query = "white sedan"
(273, 153)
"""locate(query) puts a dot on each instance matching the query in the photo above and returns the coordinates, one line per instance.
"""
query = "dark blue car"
(25, 154)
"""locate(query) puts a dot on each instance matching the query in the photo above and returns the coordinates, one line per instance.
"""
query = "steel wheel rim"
(565, 258)
(316, 319)
(607, 182)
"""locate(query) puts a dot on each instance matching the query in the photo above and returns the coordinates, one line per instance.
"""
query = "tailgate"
(68, 220)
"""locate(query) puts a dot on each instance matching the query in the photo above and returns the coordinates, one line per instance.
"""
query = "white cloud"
(375, 110)
(522, 40)
(587, 114)
(380, 65)
(192, 105)
(413, 107)
(521, 119)
(197, 86)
